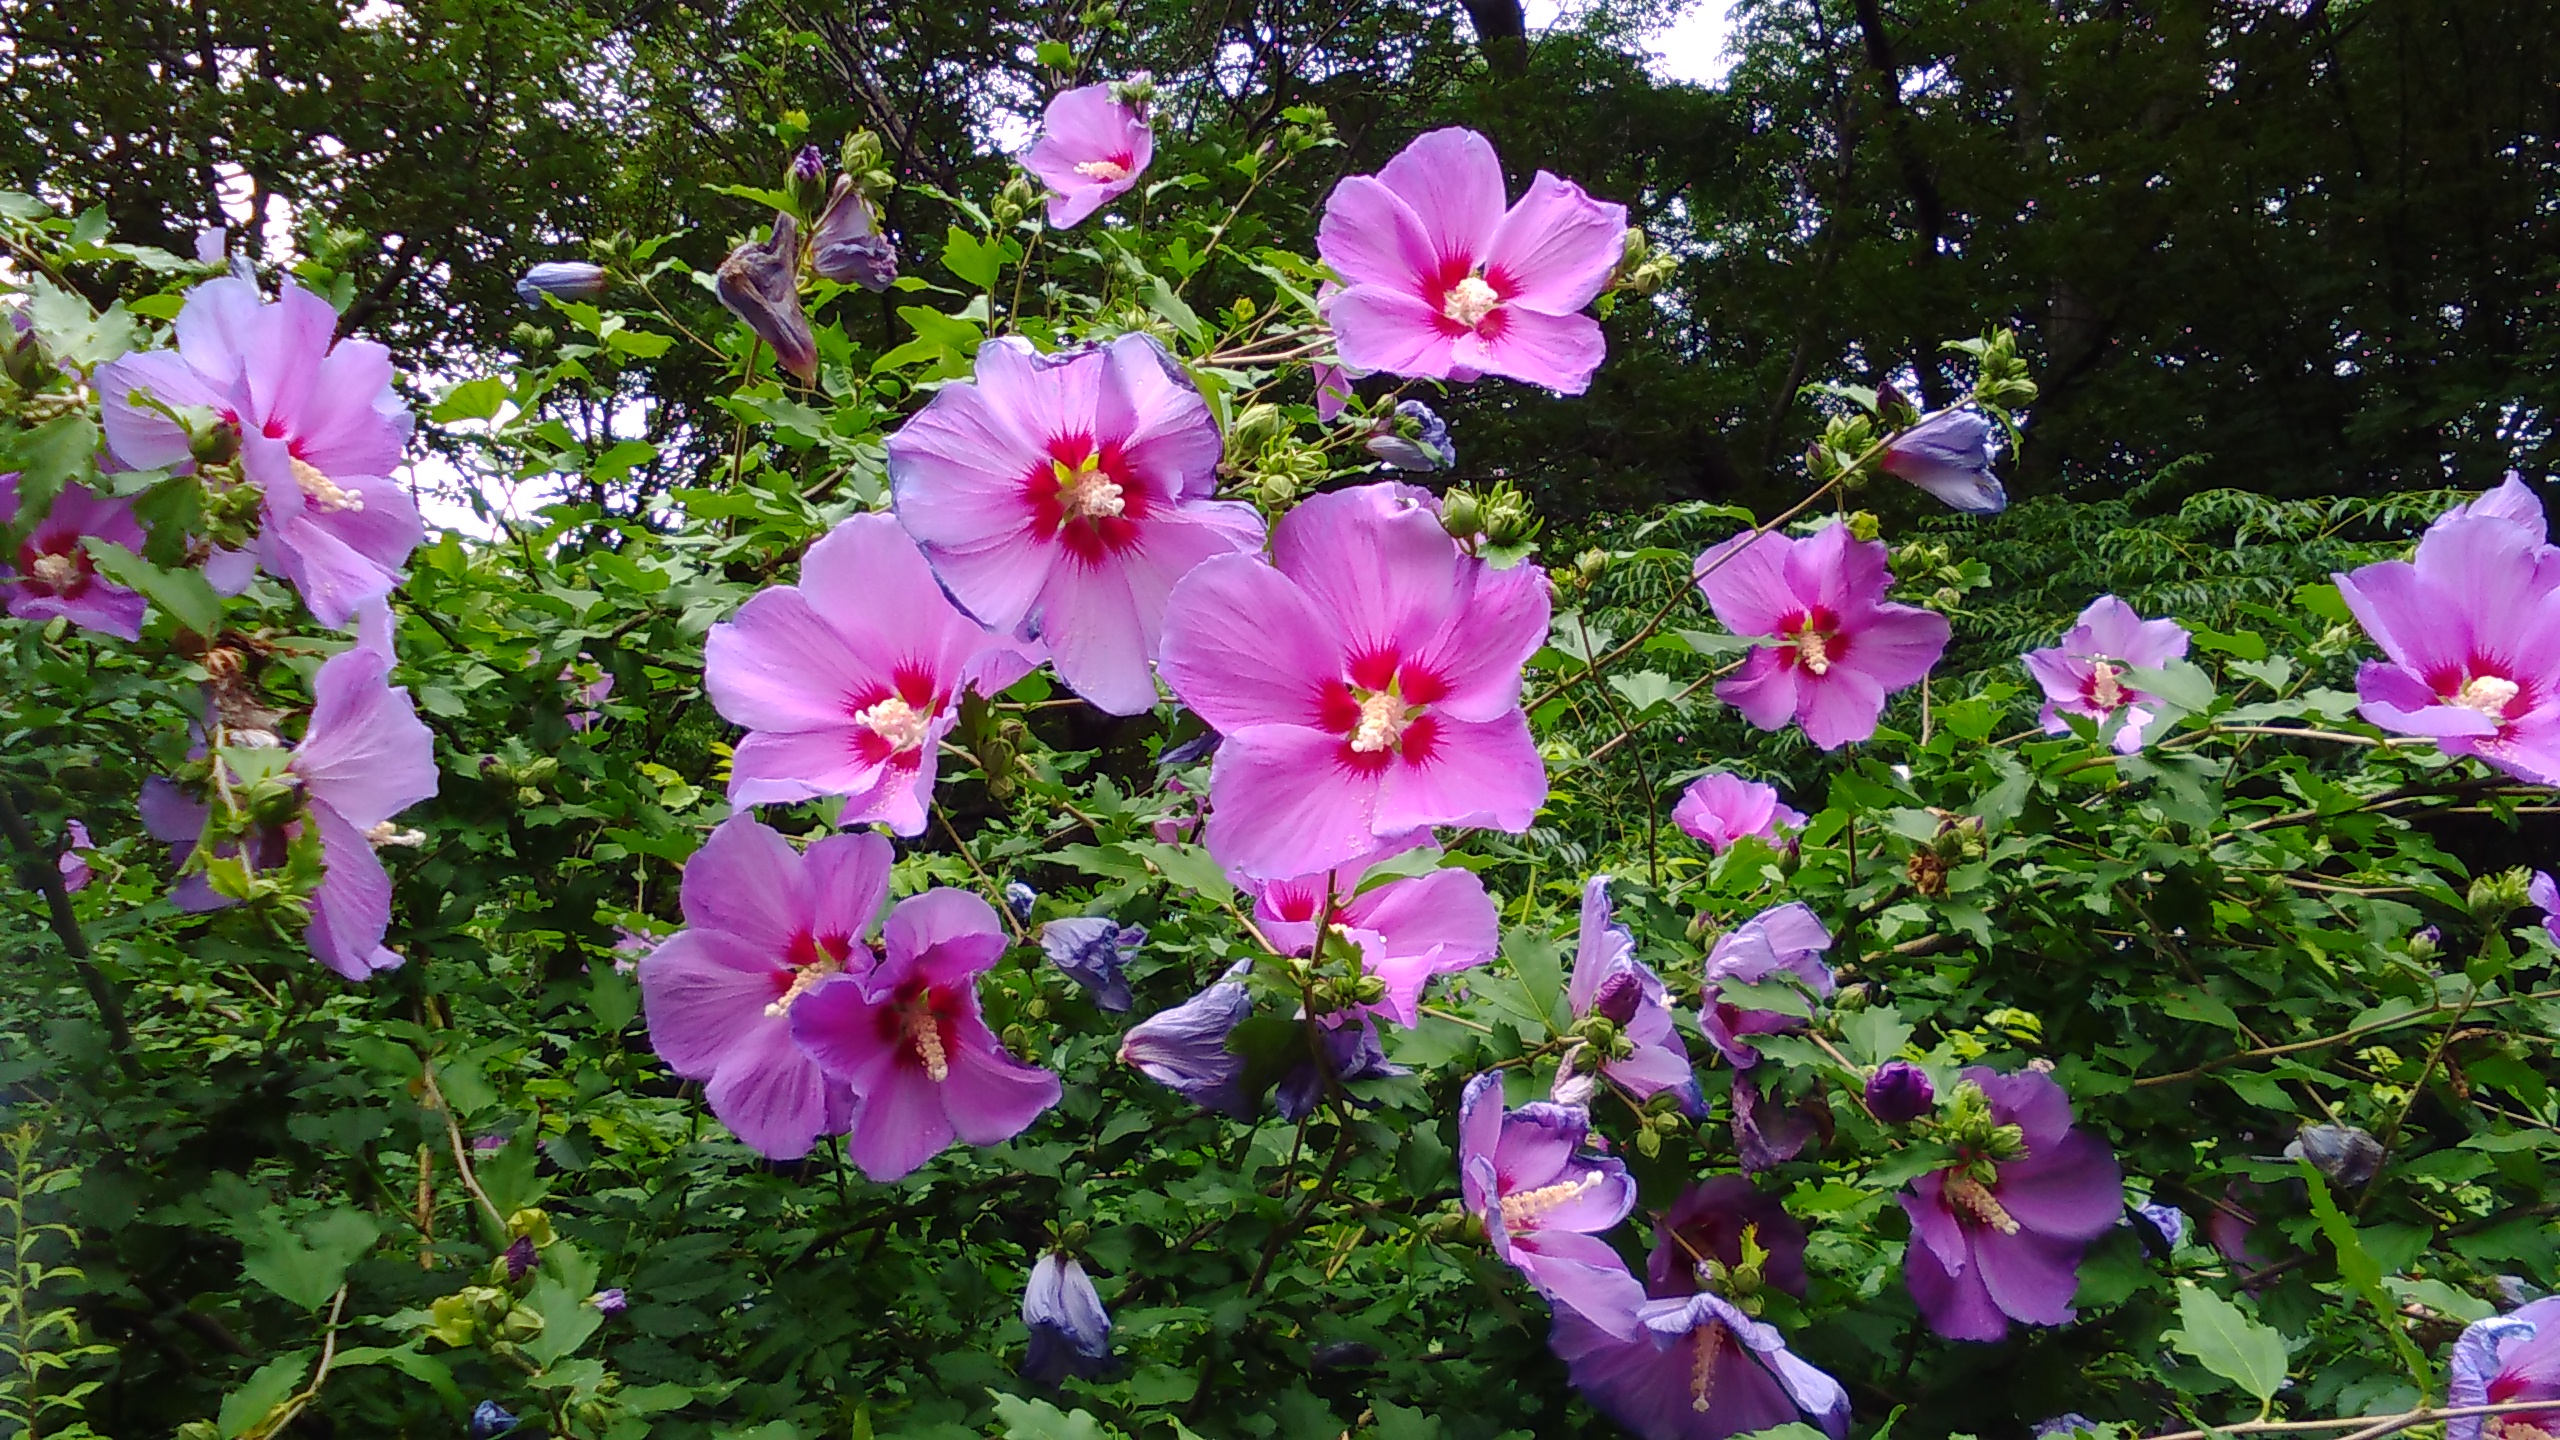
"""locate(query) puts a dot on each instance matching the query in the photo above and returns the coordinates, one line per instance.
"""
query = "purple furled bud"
(1019, 898)
(1070, 1331)
(1949, 455)
(568, 279)
(847, 246)
(1091, 949)
(2166, 1224)
(760, 284)
(520, 1257)
(1899, 1093)
(1185, 1049)
(74, 866)
(610, 1303)
(1619, 995)
(809, 164)
(2347, 1155)
(489, 1420)
(805, 180)
(1415, 439)
(1352, 1051)
(483, 1144)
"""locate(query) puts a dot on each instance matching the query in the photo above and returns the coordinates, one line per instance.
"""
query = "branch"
(41, 869)
(2376, 1426)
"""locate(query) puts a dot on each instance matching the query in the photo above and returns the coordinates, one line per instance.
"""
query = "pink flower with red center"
(1367, 682)
(1092, 149)
(1835, 647)
(909, 1039)
(1721, 807)
(764, 924)
(1069, 493)
(2085, 674)
(848, 681)
(320, 432)
(52, 573)
(2471, 629)
(1441, 280)
(1406, 929)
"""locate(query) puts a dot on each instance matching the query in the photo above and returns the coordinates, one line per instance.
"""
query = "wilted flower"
(1786, 941)
(1721, 807)
(1766, 1131)
(2347, 1155)
(1349, 1050)
(1092, 148)
(1697, 1368)
(764, 924)
(73, 866)
(1019, 898)
(1092, 950)
(848, 681)
(2504, 1360)
(489, 1420)
(610, 1303)
(1837, 646)
(567, 279)
(1443, 282)
(2166, 1224)
(2471, 629)
(1900, 1092)
(1070, 492)
(52, 573)
(1070, 1331)
(320, 432)
(1367, 684)
(760, 283)
(1407, 929)
(1949, 455)
(1185, 1049)
(1698, 1243)
(908, 1037)
(1544, 1202)
(2084, 675)
(1998, 1236)
(846, 246)
(1415, 438)
(1610, 982)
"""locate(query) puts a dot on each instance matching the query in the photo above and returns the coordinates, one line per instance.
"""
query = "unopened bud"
(1508, 518)
(2425, 944)
(522, 1324)
(216, 444)
(1863, 525)
(1256, 427)
(861, 153)
(1461, 514)
(1590, 565)
(2493, 897)
(805, 181)
(1900, 1092)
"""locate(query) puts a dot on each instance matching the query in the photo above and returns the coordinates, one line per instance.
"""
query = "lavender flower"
(566, 279)
(1352, 1051)
(610, 1303)
(1185, 1049)
(1699, 1368)
(1545, 1202)
(1415, 439)
(1786, 941)
(1949, 455)
(1698, 1242)
(1070, 1331)
(2504, 1359)
(1899, 1092)
(1092, 950)
(759, 282)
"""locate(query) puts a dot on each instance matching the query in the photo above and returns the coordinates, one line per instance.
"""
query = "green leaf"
(977, 261)
(2362, 1272)
(307, 1264)
(2224, 1340)
(1054, 55)
(272, 1385)
(182, 593)
(479, 399)
(1538, 961)
(1395, 1422)
(1875, 1034)
(1174, 310)
(1039, 1420)
(1188, 866)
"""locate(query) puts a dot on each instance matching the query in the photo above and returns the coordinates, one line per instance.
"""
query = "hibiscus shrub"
(1083, 877)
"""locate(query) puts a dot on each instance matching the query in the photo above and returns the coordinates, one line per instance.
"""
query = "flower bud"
(1019, 899)
(1619, 995)
(861, 153)
(453, 1319)
(1589, 566)
(1414, 438)
(1900, 1092)
(610, 1303)
(2347, 1155)
(26, 363)
(2493, 897)
(567, 279)
(1895, 409)
(1256, 427)
(1137, 92)
(216, 444)
(199, 1430)
(1632, 248)
(805, 180)
(489, 1420)
(2425, 944)
(1508, 520)
(1275, 488)
(1461, 514)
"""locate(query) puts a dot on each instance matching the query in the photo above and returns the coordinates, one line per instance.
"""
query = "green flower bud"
(454, 1319)
(1508, 518)
(1256, 427)
(217, 444)
(1461, 514)
(1275, 489)
(522, 1324)
(2494, 897)
(531, 1224)
(861, 153)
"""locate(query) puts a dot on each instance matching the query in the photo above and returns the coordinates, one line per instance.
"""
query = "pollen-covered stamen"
(1702, 1374)
(1383, 718)
(58, 572)
(1522, 1209)
(894, 720)
(1469, 301)
(1109, 172)
(390, 833)
(2106, 684)
(1968, 1196)
(2490, 695)
(1813, 650)
(926, 1033)
(324, 492)
(1085, 493)
(804, 980)
(2502, 1428)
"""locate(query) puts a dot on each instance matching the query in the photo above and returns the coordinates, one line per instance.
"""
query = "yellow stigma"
(1702, 1378)
(324, 492)
(1085, 493)
(894, 720)
(1109, 172)
(2488, 694)
(1469, 301)
(801, 983)
(2106, 691)
(57, 571)
(1968, 1196)
(1382, 723)
(1813, 651)
(1522, 1210)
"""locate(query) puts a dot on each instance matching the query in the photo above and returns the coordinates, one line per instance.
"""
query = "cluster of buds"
(1970, 1129)
(1412, 437)
(530, 776)
(1336, 976)
(995, 743)
(1641, 268)
(493, 1312)
(1269, 456)
(1585, 572)
(1017, 199)
(1660, 1121)
(1496, 523)
(760, 281)
(2000, 382)
(2493, 898)
(1959, 840)
(1845, 452)
(1931, 569)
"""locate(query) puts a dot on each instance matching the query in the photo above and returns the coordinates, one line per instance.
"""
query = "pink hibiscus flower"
(2084, 675)
(1721, 807)
(1408, 929)
(52, 573)
(1838, 647)
(763, 924)
(1441, 281)
(1367, 684)
(1070, 492)
(1091, 149)
(848, 681)
(320, 432)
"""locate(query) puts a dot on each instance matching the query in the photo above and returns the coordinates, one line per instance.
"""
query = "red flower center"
(1087, 496)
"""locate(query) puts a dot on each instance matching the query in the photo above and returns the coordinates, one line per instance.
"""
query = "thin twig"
(42, 872)
(2376, 1425)
(461, 1152)
(2264, 1052)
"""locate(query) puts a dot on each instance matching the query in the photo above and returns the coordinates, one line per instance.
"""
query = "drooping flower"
(2471, 629)
(760, 283)
(1348, 1049)
(2348, 1156)
(1721, 807)
(846, 246)
(364, 758)
(1610, 982)
(1998, 1236)
(1696, 1368)
(1091, 949)
(1070, 1331)
(1544, 1202)
(848, 681)
(1900, 1092)
(1092, 149)
(909, 1039)
(1366, 684)
(1442, 282)
(610, 1302)
(1413, 438)
(1071, 492)
(52, 573)
(1837, 646)
(2544, 892)
(1767, 1131)
(74, 866)
(1407, 929)
(567, 279)
(320, 431)
(1698, 1243)
(489, 1420)
(1949, 455)
(2504, 1360)
(2084, 675)
(1783, 942)
(1019, 898)
(764, 925)
(1185, 1049)
(2164, 1224)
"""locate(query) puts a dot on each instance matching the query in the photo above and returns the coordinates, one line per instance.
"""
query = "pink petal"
(1897, 646)
(867, 580)
(770, 1093)
(1478, 773)
(2397, 700)
(777, 767)
(2070, 1190)
(338, 423)
(366, 753)
(848, 1034)
(1104, 620)
(1560, 352)
(1767, 690)
(1244, 646)
(903, 1124)
(1376, 328)
(942, 936)
(144, 439)
(847, 877)
(1958, 1307)
(900, 791)
(1370, 236)
(1839, 708)
(1166, 432)
(1935, 1227)
(1557, 248)
(1375, 559)
(1836, 570)
(746, 881)
(2028, 1275)
(778, 665)
(992, 1097)
(222, 327)
(280, 348)
(1498, 620)
(1282, 803)
(1745, 582)
(351, 909)
(1453, 181)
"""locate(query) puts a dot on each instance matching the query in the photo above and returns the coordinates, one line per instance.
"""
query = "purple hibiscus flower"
(1786, 941)
(1185, 1049)
(1407, 929)
(1696, 1368)
(1093, 146)
(1544, 1202)
(1610, 982)
(52, 573)
(2542, 891)
(2084, 675)
(1998, 1236)
(1721, 807)
(1949, 455)
(2503, 1360)
(1835, 647)
(1698, 1242)
(1070, 1331)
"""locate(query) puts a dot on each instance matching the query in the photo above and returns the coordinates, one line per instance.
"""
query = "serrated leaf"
(479, 399)
(1039, 1420)
(307, 1263)
(1875, 1034)
(1174, 310)
(272, 1385)
(977, 261)
(2224, 1340)
(1188, 866)
(183, 593)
